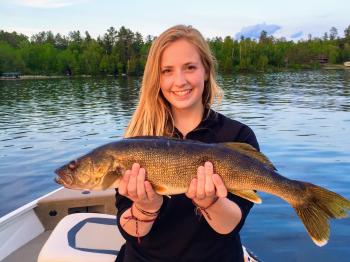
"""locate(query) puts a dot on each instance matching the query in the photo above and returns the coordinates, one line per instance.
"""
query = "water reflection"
(296, 88)
(301, 119)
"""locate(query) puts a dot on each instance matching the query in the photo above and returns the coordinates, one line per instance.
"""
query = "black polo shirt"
(179, 234)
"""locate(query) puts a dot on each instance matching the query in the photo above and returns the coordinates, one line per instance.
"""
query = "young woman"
(178, 90)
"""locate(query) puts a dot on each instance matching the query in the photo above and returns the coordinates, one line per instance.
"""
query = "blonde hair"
(152, 116)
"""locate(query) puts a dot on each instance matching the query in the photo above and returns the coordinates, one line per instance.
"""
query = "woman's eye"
(166, 71)
(191, 68)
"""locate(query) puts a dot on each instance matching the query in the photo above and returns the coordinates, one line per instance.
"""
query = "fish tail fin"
(318, 206)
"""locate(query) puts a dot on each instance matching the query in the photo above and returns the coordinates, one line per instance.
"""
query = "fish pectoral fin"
(249, 151)
(162, 190)
(249, 195)
(108, 180)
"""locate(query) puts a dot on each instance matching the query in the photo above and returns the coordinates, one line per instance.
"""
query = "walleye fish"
(172, 163)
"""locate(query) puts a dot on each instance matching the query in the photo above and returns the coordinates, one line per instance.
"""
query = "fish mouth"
(63, 179)
(59, 180)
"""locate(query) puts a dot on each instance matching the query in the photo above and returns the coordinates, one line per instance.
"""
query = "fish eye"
(73, 164)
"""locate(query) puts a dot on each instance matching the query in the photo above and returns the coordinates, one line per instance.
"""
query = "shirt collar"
(209, 119)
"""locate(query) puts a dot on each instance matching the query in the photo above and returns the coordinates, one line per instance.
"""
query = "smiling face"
(182, 76)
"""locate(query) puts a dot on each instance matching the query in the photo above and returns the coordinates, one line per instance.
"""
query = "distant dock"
(10, 75)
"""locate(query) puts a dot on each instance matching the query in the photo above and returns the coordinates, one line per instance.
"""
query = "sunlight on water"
(301, 119)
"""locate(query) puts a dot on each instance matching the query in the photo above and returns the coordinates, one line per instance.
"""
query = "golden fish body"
(171, 164)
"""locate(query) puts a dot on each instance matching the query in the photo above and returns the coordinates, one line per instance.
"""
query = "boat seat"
(83, 237)
(89, 237)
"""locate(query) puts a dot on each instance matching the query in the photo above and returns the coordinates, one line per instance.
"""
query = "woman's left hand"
(206, 186)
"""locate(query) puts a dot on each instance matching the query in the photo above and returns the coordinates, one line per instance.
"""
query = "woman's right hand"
(135, 187)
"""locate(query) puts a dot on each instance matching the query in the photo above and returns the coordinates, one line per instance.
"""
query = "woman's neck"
(187, 120)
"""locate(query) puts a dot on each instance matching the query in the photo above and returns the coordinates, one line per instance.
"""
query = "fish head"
(93, 171)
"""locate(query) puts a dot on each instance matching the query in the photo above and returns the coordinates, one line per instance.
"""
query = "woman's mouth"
(182, 93)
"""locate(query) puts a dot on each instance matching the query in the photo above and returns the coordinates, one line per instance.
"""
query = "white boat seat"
(83, 237)
(89, 237)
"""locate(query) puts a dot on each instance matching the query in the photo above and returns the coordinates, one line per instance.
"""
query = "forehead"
(179, 52)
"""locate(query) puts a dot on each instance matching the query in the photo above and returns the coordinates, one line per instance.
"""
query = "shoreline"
(339, 66)
(26, 77)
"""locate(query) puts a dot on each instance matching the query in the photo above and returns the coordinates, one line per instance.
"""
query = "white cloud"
(254, 31)
(49, 4)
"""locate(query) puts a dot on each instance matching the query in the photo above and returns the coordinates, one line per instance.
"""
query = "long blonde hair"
(152, 116)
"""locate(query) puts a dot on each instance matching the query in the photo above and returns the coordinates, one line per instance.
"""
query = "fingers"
(206, 184)
(192, 190)
(122, 188)
(150, 194)
(140, 188)
(221, 190)
(209, 185)
(135, 187)
(132, 186)
(200, 194)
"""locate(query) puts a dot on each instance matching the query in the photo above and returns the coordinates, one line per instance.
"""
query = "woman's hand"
(206, 186)
(140, 191)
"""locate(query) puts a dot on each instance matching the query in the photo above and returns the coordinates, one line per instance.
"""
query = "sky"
(290, 19)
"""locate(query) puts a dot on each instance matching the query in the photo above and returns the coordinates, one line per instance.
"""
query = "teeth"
(182, 93)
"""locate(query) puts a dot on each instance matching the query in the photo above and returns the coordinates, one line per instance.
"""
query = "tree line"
(125, 52)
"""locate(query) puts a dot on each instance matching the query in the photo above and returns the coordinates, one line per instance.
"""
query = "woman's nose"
(180, 79)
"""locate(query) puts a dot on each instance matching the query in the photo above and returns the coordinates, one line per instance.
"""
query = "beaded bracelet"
(198, 209)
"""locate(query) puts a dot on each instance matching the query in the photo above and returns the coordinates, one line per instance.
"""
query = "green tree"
(60, 42)
(333, 33)
(262, 62)
(91, 58)
(10, 59)
(227, 55)
(13, 39)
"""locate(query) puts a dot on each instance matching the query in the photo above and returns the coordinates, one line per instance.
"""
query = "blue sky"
(292, 19)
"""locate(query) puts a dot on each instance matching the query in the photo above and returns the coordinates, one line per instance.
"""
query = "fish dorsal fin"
(249, 195)
(249, 151)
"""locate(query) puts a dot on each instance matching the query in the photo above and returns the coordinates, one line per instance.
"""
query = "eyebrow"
(186, 64)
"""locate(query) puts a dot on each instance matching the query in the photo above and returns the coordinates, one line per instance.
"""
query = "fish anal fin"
(249, 195)
(160, 189)
(249, 151)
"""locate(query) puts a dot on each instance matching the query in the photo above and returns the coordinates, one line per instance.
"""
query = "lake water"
(301, 119)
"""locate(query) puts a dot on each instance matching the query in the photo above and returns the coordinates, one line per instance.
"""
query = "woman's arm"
(222, 215)
(136, 221)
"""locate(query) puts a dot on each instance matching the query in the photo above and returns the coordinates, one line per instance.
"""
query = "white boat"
(347, 63)
(64, 225)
